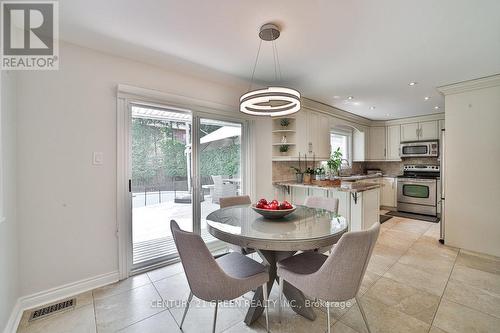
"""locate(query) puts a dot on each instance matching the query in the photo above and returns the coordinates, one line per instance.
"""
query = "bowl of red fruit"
(273, 209)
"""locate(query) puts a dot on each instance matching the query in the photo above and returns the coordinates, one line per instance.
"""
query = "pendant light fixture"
(272, 101)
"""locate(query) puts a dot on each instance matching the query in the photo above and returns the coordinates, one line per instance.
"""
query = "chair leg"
(186, 309)
(215, 316)
(280, 297)
(328, 316)
(363, 314)
(266, 305)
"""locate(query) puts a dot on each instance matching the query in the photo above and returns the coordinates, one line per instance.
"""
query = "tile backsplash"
(283, 172)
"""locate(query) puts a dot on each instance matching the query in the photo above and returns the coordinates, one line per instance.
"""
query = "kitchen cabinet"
(318, 133)
(361, 209)
(393, 141)
(428, 130)
(422, 131)
(377, 142)
(388, 192)
(409, 132)
(360, 144)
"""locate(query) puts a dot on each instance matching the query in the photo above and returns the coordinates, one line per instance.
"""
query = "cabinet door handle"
(385, 152)
(417, 132)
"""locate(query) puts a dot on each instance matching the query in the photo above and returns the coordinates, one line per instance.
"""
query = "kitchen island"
(359, 202)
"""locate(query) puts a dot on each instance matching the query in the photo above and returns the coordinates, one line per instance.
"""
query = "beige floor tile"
(121, 286)
(428, 261)
(80, 320)
(418, 278)
(159, 323)
(397, 239)
(419, 227)
(340, 327)
(174, 288)
(164, 272)
(476, 298)
(388, 224)
(477, 278)
(432, 247)
(434, 231)
(243, 328)
(479, 261)
(368, 280)
(414, 302)
(199, 318)
(379, 264)
(382, 318)
(435, 329)
(453, 317)
(119, 311)
(292, 322)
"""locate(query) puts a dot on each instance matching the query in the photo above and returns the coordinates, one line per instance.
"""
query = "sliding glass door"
(219, 165)
(161, 180)
(181, 164)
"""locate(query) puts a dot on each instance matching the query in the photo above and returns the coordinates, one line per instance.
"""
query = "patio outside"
(161, 188)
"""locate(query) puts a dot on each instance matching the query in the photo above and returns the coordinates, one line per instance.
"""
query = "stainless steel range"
(418, 189)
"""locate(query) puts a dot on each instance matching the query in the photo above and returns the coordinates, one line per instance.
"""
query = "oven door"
(417, 191)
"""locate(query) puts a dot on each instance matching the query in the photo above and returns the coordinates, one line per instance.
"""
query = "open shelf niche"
(284, 135)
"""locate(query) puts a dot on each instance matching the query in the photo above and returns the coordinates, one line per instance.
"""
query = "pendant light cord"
(255, 65)
(277, 60)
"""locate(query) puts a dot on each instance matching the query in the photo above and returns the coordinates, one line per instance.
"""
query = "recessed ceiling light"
(372, 108)
(427, 98)
(350, 97)
(436, 107)
(412, 83)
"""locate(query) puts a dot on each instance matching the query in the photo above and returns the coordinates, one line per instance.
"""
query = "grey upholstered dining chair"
(330, 204)
(334, 278)
(215, 280)
(235, 201)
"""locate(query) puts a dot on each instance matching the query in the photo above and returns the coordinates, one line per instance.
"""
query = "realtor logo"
(30, 33)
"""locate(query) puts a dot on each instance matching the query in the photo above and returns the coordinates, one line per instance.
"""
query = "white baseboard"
(55, 294)
(14, 319)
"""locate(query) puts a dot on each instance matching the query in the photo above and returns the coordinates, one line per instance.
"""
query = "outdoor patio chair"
(222, 189)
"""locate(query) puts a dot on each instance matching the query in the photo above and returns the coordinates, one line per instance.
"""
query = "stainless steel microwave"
(419, 149)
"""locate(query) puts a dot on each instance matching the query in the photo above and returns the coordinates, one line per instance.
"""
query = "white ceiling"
(328, 49)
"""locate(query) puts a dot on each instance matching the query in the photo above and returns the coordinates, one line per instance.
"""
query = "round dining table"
(306, 229)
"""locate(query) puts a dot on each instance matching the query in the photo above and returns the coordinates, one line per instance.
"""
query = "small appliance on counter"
(418, 189)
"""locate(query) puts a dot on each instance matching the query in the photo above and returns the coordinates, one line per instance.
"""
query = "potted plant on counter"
(334, 164)
(308, 175)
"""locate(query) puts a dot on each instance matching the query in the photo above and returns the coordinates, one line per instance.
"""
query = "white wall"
(9, 277)
(67, 207)
(472, 172)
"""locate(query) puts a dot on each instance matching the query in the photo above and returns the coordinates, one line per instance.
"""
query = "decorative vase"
(307, 178)
(299, 177)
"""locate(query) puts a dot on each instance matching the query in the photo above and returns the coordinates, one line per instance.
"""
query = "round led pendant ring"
(260, 102)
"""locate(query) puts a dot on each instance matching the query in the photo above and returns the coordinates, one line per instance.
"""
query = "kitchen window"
(342, 139)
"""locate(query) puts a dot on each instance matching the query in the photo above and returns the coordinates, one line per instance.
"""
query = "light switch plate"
(97, 158)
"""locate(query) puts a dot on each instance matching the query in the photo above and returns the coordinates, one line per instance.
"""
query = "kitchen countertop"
(352, 187)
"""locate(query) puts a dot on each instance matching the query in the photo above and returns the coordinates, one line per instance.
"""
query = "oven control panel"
(421, 168)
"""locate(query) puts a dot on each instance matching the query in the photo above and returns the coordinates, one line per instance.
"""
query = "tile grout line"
(93, 307)
(444, 290)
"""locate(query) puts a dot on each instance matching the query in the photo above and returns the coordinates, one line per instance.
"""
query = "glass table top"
(303, 224)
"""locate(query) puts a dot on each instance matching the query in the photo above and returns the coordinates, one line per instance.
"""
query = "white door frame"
(128, 95)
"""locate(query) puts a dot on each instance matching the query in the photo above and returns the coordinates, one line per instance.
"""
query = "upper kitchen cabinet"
(360, 144)
(318, 134)
(393, 142)
(429, 130)
(422, 131)
(409, 132)
(377, 142)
